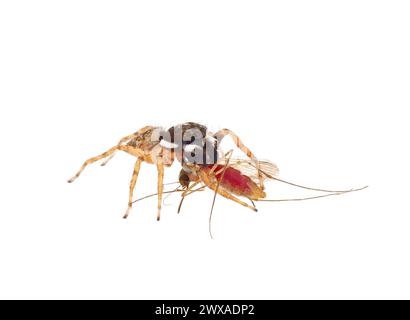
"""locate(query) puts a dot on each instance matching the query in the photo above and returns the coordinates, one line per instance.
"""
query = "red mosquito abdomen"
(239, 184)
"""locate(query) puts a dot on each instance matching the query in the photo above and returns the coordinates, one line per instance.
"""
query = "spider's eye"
(164, 136)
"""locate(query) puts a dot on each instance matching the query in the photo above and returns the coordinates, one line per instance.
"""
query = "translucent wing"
(253, 169)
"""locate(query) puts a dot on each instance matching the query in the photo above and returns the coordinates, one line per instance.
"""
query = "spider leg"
(107, 153)
(123, 140)
(92, 160)
(224, 132)
(137, 167)
(221, 170)
(108, 159)
(160, 168)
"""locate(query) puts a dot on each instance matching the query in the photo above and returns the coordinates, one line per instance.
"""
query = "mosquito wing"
(254, 169)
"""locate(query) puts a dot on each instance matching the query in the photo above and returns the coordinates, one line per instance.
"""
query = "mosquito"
(237, 180)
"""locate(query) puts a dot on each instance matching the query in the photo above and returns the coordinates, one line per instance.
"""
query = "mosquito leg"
(180, 205)
(137, 167)
(222, 192)
(253, 203)
(195, 190)
(185, 193)
(160, 168)
(189, 193)
(189, 189)
(231, 197)
(92, 160)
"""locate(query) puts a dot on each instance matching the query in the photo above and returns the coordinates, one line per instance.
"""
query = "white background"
(319, 87)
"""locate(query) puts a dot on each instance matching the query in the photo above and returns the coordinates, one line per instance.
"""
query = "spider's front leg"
(109, 154)
(224, 132)
(92, 160)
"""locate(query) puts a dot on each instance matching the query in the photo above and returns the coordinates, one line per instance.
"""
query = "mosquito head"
(184, 178)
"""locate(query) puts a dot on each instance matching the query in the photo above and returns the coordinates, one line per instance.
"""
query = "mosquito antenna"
(170, 183)
(313, 189)
(216, 191)
(154, 194)
(169, 194)
(300, 186)
(314, 197)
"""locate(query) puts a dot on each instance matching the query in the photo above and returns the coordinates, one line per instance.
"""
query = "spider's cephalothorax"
(192, 143)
